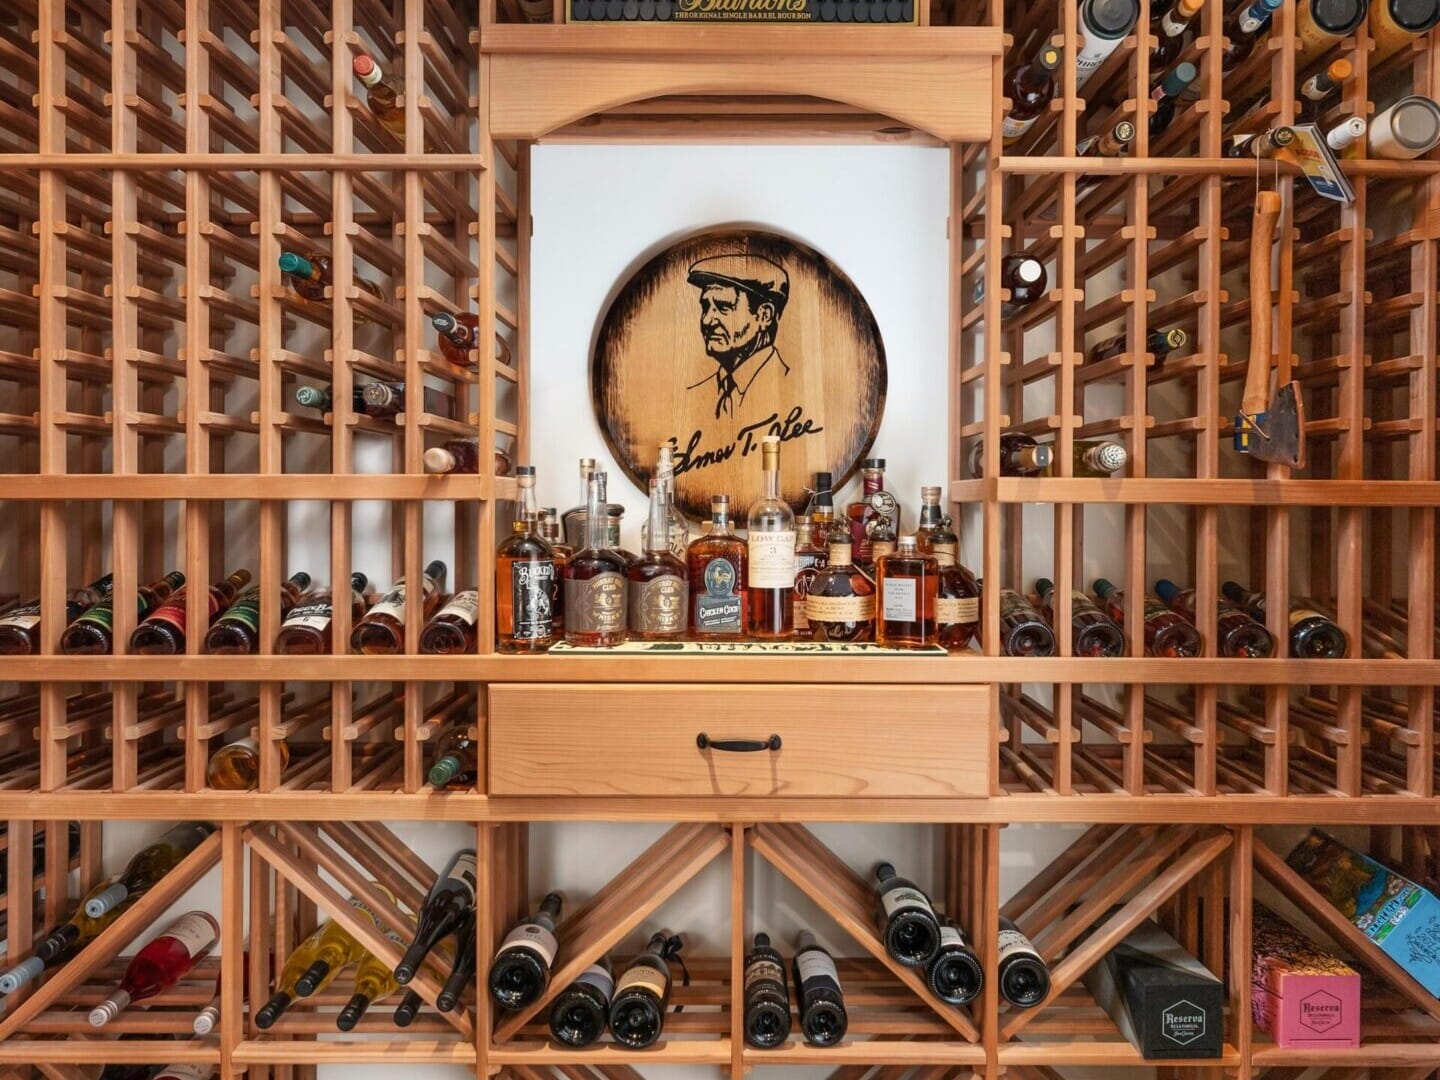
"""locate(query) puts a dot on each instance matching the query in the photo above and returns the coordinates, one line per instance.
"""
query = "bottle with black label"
(767, 996)
(447, 905)
(907, 921)
(521, 968)
(524, 579)
(1024, 976)
(822, 1001)
(637, 1014)
(580, 1011)
(955, 975)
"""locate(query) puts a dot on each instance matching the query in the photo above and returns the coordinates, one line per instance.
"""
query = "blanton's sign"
(728, 336)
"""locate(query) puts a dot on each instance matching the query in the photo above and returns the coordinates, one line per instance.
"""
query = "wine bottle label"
(772, 560)
(904, 899)
(314, 616)
(187, 1072)
(246, 609)
(595, 975)
(531, 587)
(717, 607)
(392, 603)
(763, 970)
(658, 606)
(1012, 128)
(1093, 52)
(957, 609)
(643, 976)
(1013, 943)
(898, 602)
(463, 871)
(195, 931)
(595, 605)
(1300, 614)
(840, 609)
(1171, 25)
(531, 936)
(816, 965)
(25, 616)
(950, 936)
(465, 606)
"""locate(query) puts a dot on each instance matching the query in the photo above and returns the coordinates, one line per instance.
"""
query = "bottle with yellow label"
(1396, 23)
(1321, 24)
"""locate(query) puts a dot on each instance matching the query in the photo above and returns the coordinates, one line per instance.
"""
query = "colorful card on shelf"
(1301, 995)
(1392, 911)
(751, 648)
(1317, 161)
(840, 12)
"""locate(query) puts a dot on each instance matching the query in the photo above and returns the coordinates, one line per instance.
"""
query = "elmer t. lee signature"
(794, 426)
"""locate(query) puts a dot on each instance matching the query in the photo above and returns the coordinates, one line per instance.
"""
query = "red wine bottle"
(521, 968)
(767, 996)
(823, 1019)
(907, 921)
(450, 901)
(637, 1014)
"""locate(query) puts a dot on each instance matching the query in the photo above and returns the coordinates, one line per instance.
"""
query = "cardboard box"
(1391, 910)
(1300, 994)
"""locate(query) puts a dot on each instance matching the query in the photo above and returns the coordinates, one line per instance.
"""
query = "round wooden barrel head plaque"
(726, 337)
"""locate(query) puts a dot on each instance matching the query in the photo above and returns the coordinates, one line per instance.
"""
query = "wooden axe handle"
(1262, 238)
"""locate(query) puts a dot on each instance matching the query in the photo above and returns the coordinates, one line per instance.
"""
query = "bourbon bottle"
(524, 577)
(843, 598)
(658, 587)
(861, 513)
(163, 631)
(957, 596)
(452, 631)
(382, 94)
(458, 335)
(560, 552)
(306, 629)
(92, 633)
(1092, 631)
(595, 586)
(771, 539)
(382, 631)
(717, 564)
(20, 625)
(1236, 633)
(1022, 631)
(237, 631)
(906, 583)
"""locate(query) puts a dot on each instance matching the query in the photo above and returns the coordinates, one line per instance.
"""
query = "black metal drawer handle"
(737, 746)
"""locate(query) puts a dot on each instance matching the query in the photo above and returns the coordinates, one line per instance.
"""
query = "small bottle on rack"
(92, 632)
(382, 630)
(309, 275)
(956, 975)
(1323, 85)
(1267, 144)
(163, 630)
(382, 94)
(383, 398)
(20, 625)
(717, 565)
(1167, 93)
(454, 456)
(1166, 632)
(1020, 455)
(1236, 633)
(1104, 24)
(450, 901)
(236, 766)
(456, 764)
(907, 919)
(1024, 976)
(1112, 143)
(637, 1013)
(906, 584)
(823, 1020)
(161, 963)
(521, 968)
(237, 631)
(1030, 89)
(580, 1012)
(452, 631)
(812, 548)
(659, 590)
(595, 585)
(770, 591)
(306, 629)
(1024, 277)
(1346, 134)
(1022, 631)
(1092, 632)
(322, 398)
(767, 996)
(458, 335)
(841, 601)
(1094, 459)
(1159, 343)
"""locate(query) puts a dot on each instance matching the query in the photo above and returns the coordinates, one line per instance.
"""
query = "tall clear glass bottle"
(678, 528)
(771, 542)
(573, 520)
(595, 586)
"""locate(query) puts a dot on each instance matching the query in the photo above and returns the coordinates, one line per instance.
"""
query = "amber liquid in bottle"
(92, 633)
(844, 598)
(452, 630)
(237, 631)
(1022, 631)
(382, 631)
(906, 586)
(658, 585)
(20, 625)
(382, 94)
(1030, 87)
(957, 598)
(812, 548)
(310, 275)
(1167, 633)
(163, 632)
(861, 513)
(595, 586)
(306, 629)
(771, 538)
(560, 552)
(1236, 633)
(1092, 633)
(717, 564)
(524, 578)
(457, 334)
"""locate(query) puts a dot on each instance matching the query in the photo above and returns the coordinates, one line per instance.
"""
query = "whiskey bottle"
(163, 630)
(862, 512)
(20, 625)
(450, 901)
(382, 630)
(1104, 24)
(309, 275)
(1112, 143)
(1166, 632)
(1396, 23)
(322, 399)
(841, 601)
(1022, 631)
(306, 629)
(957, 594)
(659, 591)
(812, 547)
(1243, 28)
(1030, 88)
(1094, 458)
(1313, 636)
(1169, 28)
(560, 554)
(1236, 633)
(1406, 129)
(1020, 455)
(524, 577)
(580, 1011)
(382, 94)
(452, 630)
(717, 564)
(237, 630)
(1322, 24)
(907, 584)
(1092, 632)
(573, 519)
(678, 528)
(383, 398)
(595, 585)
(162, 962)
(1321, 86)
(1167, 93)
(236, 766)
(456, 764)
(462, 972)
(1159, 343)
(907, 920)
(770, 591)
(1024, 277)
(637, 1014)
(148, 865)
(1024, 975)
(932, 518)
(956, 975)
(823, 1020)
(520, 971)
(454, 456)
(374, 981)
(92, 632)
(458, 335)
(767, 996)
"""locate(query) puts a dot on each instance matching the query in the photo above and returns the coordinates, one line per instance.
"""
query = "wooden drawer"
(641, 739)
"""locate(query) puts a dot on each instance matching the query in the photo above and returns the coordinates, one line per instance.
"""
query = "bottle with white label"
(520, 970)
(163, 962)
(907, 919)
(581, 1011)
(1024, 975)
(907, 584)
(823, 1020)
(306, 629)
(956, 975)
(767, 996)
(637, 1013)
(1103, 25)
(452, 630)
(382, 631)
(770, 590)
(447, 905)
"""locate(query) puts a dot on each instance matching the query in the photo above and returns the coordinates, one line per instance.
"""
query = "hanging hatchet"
(1269, 428)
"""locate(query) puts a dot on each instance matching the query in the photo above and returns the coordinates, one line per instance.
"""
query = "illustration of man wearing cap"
(741, 300)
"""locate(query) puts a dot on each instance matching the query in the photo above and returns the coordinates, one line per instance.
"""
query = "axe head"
(1276, 435)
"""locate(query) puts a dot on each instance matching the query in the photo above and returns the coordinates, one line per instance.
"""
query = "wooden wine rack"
(157, 155)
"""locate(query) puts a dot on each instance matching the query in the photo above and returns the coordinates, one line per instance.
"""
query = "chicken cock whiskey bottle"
(717, 563)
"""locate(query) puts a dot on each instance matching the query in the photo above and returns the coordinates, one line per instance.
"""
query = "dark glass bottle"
(1020, 455)
(463, 973)
(907, 921)
(1313, 636)
(581, 1011)
(1167, 633)
(1024, 976)
(767, 996)
(92, 633)
(1024, 276)
(408, 1009)
(823, 1020)
(1160, 343)
(1243, 28)
(447, 905)
(1030, 88)
(1092, 632)
(637, 1013)
(956, 975)
(1022, 631)
(1169, 29)
(1167, 93)
(520, 970)
(1321, 86)
(20, 625)
(1112, 143)
(1236, 633)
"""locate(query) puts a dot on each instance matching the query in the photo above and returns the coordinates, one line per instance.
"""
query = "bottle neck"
(657, 539)
(1035, 75)
(528, 509)
(874, 481)
(595, 521)
(772, 480)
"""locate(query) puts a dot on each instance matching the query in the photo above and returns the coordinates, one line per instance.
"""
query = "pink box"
(1300, 994)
